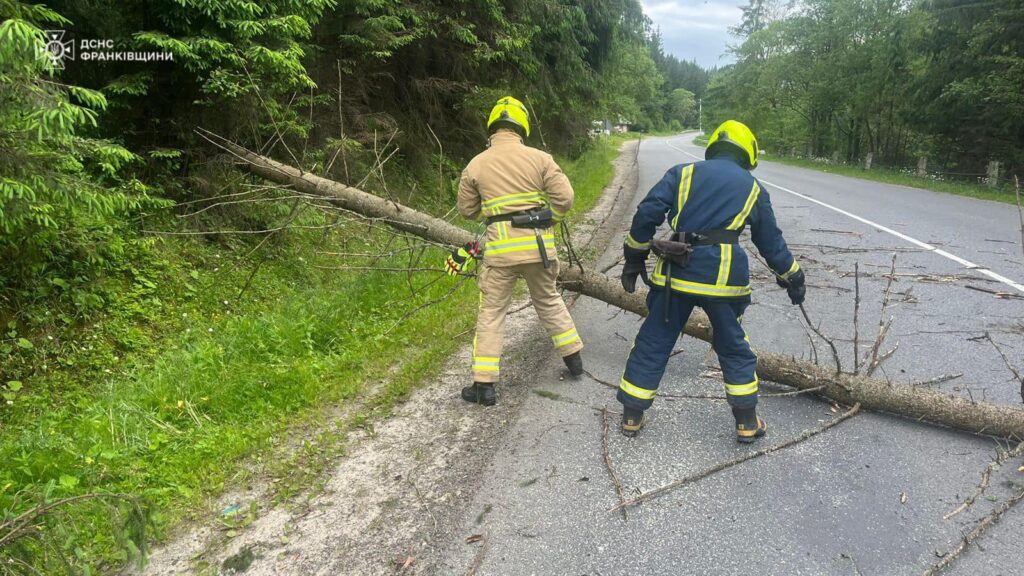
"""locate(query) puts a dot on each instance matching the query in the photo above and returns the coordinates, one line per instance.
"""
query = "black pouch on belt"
(535, 218)
(674, 253)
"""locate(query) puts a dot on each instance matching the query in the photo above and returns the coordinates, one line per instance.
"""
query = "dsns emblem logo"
(57, 49)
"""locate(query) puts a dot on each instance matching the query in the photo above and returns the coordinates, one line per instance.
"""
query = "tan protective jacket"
(511, 177)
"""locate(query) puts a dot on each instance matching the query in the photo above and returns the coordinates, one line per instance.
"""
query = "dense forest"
(320, 77)
(899, 79)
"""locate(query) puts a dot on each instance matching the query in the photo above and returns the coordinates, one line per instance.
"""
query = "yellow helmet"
(509, 113)
(733, 133)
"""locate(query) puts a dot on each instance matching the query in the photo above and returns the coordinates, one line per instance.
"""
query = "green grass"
(165, 395)
(890, 176)
(591, 172)
(179, 388)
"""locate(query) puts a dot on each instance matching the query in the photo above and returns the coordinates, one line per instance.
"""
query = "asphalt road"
(866, 497)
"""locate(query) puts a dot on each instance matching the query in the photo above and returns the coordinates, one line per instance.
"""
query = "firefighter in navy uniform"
(707, 204)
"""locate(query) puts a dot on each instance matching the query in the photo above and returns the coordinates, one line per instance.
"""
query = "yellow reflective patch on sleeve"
(792, 270)
(634, 244)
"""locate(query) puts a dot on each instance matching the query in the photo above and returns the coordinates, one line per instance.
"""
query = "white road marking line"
(963, 262)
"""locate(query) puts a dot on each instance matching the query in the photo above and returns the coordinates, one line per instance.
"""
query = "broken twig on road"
(1013, 370)
(883, 327)
(937, 380)
(608, 461)
(478, 559)
(1001, 457)
(738, 460)
(856, 314)
(973, 535)
(831, 344)
(996, 293)
(1020, 211)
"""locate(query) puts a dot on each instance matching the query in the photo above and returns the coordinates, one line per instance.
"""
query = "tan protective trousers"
(496, 286)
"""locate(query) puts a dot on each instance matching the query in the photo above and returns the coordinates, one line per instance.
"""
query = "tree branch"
(738, 460)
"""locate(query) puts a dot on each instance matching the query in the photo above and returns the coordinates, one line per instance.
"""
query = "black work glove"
(794, 287)
(636, 264)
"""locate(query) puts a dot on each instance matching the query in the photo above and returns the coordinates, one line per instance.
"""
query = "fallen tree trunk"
(909, 402)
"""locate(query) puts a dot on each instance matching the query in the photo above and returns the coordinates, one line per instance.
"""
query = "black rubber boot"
(574, 362)
(632, 421)
(480, 393)
(748, 426)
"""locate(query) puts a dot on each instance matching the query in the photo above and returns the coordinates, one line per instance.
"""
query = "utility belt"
(532, 218)
(536, 218)
(677, 254)
(709, 237)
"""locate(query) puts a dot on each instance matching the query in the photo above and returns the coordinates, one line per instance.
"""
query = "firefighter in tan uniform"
(521, 193)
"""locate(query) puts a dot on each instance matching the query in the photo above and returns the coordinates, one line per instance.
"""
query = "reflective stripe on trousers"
(656, 338)
(497, 283)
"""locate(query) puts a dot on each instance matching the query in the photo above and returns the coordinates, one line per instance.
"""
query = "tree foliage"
(85, 147)
(64, 196)
(898, 79)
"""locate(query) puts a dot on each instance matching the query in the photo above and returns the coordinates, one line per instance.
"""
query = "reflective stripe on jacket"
(511, 177)
(712, 195)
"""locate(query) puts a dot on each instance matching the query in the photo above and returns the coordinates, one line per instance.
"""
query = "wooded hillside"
(312, 82)
(897, 79)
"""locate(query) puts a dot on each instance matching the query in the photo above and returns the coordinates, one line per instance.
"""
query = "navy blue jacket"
(713, 194)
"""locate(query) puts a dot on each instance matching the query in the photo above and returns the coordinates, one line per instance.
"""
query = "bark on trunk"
(914, 403)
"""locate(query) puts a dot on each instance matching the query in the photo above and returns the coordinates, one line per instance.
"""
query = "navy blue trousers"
(653, 345)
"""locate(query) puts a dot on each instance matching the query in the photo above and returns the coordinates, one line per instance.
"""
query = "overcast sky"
(696, 29)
